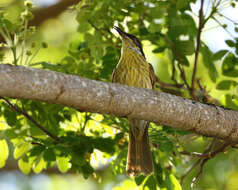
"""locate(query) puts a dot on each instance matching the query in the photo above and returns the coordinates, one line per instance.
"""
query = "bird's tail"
(139, 157)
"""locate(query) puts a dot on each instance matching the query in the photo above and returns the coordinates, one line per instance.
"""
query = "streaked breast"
(133, 70)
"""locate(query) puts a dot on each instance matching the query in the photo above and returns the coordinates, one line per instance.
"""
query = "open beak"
(120, 31)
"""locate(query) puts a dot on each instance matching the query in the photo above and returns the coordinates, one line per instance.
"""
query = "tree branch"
(42, 14)
(118, 100)
(198, 46)
(15, 108)
(45, 13)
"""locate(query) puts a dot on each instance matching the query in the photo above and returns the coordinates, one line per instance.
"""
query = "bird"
(133, 70)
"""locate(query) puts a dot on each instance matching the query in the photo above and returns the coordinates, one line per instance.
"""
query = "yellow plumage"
(134, 70)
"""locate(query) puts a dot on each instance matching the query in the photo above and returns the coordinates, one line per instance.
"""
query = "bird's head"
(130, 42)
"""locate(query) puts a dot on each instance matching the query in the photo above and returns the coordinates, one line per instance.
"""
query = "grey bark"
(118, 100)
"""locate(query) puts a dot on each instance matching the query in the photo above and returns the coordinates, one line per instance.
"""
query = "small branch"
(36, 143)
(203, 158)
(189, 170)
(183, 76)
(197, 154)
(218, 22)
(207, 155)
(168, 85)
(173, 72)
(103, 32)
(98, 29)
(198, 161)
(15, 108)
(197, 48)
(86, 118)
(178, 57)
(233, 21)
(200, 172)
(210, 155)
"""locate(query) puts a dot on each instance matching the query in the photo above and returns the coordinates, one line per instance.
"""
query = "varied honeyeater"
(134, 70)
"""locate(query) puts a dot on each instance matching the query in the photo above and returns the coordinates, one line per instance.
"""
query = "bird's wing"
(153, 77)
(114, 75)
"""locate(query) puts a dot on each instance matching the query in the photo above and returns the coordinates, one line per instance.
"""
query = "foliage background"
(81, 41)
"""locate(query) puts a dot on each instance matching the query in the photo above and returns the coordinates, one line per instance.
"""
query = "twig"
(197, 154)
(183, 76)
(211, 155)
(86, 118)
(200, 172)
(178, 57)
(218, 3)
(198, 161)
(189, 170)
(173, 72)
(164, 84)
(36, 143)
(207, 155)
(198, 47)
(206, 98)
(98, 29)
(15, 108)
(229, 19)
(203, 158)
(218, 22)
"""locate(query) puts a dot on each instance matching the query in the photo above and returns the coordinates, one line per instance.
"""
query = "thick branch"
(45, 13)
(119, 100)
(42, 14)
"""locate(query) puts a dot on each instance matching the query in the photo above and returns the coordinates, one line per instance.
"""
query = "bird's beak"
(120, 31)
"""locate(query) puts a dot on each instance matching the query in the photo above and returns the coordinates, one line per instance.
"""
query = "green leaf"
(49, 155)
(182, 4)
(5, 23)
(185, 47)
(159, 50)
(4, 152)
(139, 180)
(143, 31)
(231, 103)
(208, 63)
(157, 11)
(154, 27)
(83, 26)
(150, 183)
(11, 133)
(175, 182)
(63, 164)
(219, 55)
(168, 182)
(39, 164)
(229, 66)
(87, 170)
(158, 171)
(10, 116)
(25, 167)
(230, 43)
(21, 149)
(104, 144)
(166, 146)
(36, 150)
(46, 65)
(183, 60)
(226, 85)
